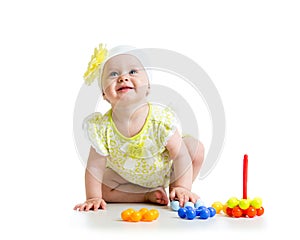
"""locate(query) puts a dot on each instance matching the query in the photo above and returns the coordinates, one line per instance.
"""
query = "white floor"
(109, 222)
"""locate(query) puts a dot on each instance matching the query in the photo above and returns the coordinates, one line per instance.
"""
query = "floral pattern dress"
(142, 159)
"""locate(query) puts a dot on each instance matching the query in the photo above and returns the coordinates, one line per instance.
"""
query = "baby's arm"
(93, 182)
(181, 185)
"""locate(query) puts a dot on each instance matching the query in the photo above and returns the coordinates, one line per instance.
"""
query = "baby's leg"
(196, 151)
(117, 189)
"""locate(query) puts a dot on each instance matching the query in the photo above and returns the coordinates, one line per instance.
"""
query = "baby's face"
(124, 77)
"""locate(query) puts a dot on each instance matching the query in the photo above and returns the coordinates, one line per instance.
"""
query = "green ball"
(244, 204)
(232, 202)
(256, 202)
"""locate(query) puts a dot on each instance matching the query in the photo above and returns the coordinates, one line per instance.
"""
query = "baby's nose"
(123, 78)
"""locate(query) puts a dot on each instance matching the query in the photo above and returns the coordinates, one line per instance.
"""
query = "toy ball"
(204, 213)
(182, 212)
(199, 203)
(232, 202)
(131, 215)
(189, 204)
(150, 215)
(260, 211)
(237, 212)
(189, 208)
(190, 214)
(175, 205)
(212, 211)
(246, 208)
(256, 202)
(218, 206)
(244, 204)
(251, 212)
(199, 209)
(136, 216)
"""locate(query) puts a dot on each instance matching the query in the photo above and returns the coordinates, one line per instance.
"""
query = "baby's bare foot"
(158, 196)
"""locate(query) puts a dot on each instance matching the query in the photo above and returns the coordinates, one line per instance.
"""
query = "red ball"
(251, 212)
(260, 211)
(244, 212)
(229, 211)
(237, 212)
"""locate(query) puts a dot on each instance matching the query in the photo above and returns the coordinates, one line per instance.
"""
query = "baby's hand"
(183, 195)
(93, 203)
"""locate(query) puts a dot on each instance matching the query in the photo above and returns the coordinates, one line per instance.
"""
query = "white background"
(250, 50)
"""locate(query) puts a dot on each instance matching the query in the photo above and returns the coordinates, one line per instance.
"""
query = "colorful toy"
(144, 214)
(175, 204)
(192, 210)
(244, 207)
(191, 213)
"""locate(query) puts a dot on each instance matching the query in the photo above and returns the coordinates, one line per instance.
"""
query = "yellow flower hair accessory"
(93, 69)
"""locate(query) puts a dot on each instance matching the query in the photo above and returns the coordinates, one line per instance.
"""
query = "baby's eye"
(133, 71)
(113, 74)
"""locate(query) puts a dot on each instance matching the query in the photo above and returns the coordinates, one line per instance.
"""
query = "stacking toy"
(244, 207)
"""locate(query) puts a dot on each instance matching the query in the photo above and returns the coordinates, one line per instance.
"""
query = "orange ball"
(155, 213)
(237, 212)
(251, 212)
(143, 210)
(136, 216)
(149, 216)
(125, 215)
(260, 211)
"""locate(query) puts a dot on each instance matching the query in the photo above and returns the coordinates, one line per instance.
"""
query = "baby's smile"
(124, 89)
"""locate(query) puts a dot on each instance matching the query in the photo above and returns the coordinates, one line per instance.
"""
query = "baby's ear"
(148, 91)
(104, 97)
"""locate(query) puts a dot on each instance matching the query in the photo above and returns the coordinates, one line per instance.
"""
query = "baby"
(137, 150)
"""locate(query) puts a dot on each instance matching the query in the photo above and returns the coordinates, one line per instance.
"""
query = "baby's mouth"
(124, 88)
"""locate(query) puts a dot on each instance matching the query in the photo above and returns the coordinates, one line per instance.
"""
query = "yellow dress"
(142, 159)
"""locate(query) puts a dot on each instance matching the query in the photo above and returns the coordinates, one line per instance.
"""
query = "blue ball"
(175, 205)
(182, 212)
(199, 203)
(189, 204)
(204, 213)
(190, 214)
(212, 211)
(199, 209)
(189, 208)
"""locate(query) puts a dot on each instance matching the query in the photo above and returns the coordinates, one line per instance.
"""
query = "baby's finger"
(77, 207)
(82, 207)
(172, 195)
(186, 198)
(88, 206)
(181, 199)
(192, 199)
(103, 204)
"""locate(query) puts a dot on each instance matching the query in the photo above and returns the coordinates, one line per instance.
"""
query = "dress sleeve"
(169, 124)
(94, 130)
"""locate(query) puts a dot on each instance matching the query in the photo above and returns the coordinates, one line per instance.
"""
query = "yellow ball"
(233, 202)
(218, 206)
(225, 209)
(256, 202)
